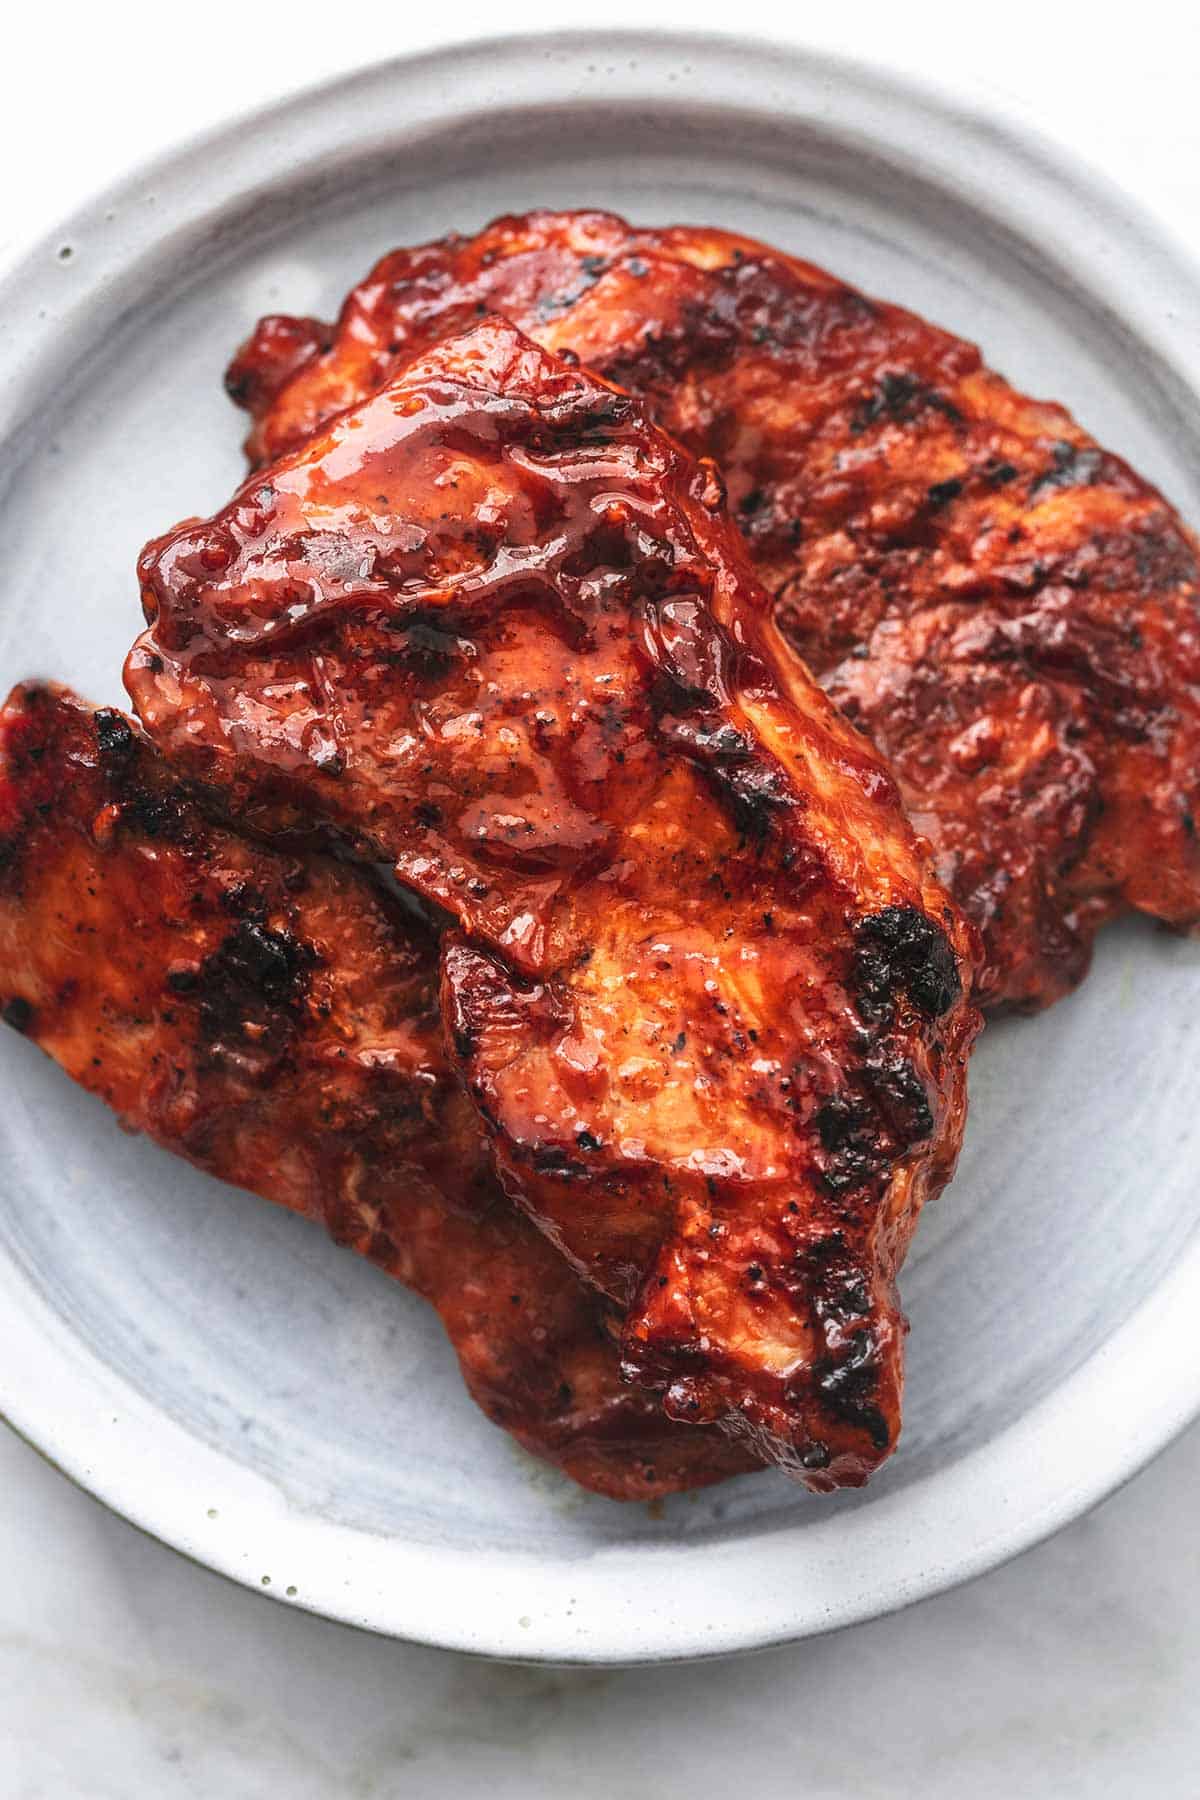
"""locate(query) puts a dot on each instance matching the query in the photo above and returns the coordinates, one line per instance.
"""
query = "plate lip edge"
(973, 112)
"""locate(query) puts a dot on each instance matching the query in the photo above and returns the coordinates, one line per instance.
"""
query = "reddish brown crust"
(1006, 609)
(273, 1019)
(704, 990)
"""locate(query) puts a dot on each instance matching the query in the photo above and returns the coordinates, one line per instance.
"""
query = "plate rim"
(1157, 1334)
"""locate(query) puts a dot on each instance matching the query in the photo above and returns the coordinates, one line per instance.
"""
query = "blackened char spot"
(882, 1113)
(850, 1385)
(900, 1094)
(159, 813)
(156, 810)
(268, 962)
(256, 976)
(115, 737)
(902, 950)
(242, 900)
(848, 1134)
(900, 396)
(425, 651)
(17, 1012)
(943, 492)
(1071, 467)
(754, 789)
(757, 794)
(834, 1283)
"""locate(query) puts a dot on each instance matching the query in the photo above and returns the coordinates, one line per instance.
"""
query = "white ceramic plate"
(218, 1372)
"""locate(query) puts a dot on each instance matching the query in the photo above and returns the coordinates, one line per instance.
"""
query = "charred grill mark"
(717, 743)
(942, 493)
(695, 337)
(847, 1375)
(270, 963)
(881, 1113)
(424, 652)
(848, 1135)
(115, 739)
(755, 791)
(898, 398)
(1163, 557)
(158, 811)
(690, 697)
(850, 1386)
(1072, 466)
(775, 316)
(257, 977)
(589, 272)
(900, 1095)
(158, 814)
(242, 900)
(901, 951)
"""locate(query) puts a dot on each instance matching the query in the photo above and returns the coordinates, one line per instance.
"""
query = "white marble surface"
(126, 1673)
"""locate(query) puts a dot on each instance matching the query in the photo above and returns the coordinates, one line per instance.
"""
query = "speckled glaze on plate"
(214, 1369)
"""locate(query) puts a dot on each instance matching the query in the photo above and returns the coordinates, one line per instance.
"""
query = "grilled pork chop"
(1006, 609)
(709, 999)
(273, 1019)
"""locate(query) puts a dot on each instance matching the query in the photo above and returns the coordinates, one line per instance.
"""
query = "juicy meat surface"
(273, 1020)
(496, 628)
(1005, 608)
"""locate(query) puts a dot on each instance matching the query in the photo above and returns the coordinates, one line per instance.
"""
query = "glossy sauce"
(700, 981)
(273, 1019)
(1008, 611)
